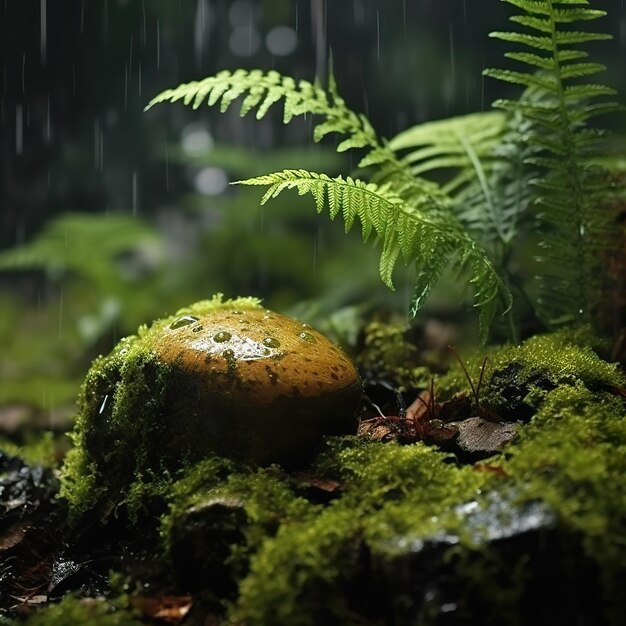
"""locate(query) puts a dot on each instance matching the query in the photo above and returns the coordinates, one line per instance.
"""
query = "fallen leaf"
(167, 608)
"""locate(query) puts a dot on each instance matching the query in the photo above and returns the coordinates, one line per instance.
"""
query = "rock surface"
(225, 378)
(268, 385)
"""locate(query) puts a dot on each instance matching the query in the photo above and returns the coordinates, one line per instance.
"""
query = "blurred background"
(110, 217)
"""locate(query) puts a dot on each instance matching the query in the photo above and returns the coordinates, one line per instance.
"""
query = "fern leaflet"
(430, 239)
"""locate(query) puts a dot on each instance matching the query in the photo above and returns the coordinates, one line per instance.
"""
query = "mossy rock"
(225, 378)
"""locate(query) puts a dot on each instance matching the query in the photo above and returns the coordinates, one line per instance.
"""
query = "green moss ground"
(299, 560)
(303, 558)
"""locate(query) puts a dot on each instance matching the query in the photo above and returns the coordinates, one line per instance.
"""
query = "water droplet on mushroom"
(185, 320)
(270, 342)
(228, 354)
(222, 336)
(308, 337)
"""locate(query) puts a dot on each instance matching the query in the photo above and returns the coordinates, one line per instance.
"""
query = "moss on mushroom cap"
(219, 377)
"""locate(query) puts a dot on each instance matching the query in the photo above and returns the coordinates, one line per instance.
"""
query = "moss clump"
(572, 456)
(88, 611)
(387, 355)
(268, 551)
(296, 560)
(517, 378)
(219, 377)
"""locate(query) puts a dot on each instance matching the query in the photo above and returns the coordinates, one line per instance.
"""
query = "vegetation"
(373, 530)
(291, 552)
(476, 218)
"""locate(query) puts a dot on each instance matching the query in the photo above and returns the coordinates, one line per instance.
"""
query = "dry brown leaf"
(167, 608)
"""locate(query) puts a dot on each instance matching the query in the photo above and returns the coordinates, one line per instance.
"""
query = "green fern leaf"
(536, 7)
(543, 25)
(87, 246)
(441, 147)
(542, 62)
(430, 238)
(532, 41)
(520, 78)
(567, 191)
(569, 16)
(565, 38)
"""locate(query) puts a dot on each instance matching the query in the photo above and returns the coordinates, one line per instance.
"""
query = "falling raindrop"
(158, 45)
(378, 35)
(167, 168)
(143, 23)
(201, 30)
(105, 21)
(48, 129)
(318, 25)
(130, 60)
(452, 56)
(103, 405)
(96, 143)
(61, 314)
(125, 86)
(19, 129)
(135, 193)
(43, 31)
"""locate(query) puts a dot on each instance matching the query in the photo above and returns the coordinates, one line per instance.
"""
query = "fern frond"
(450, 145)
(260, 91)
(81, 244)
(431, 239)
(568, 191)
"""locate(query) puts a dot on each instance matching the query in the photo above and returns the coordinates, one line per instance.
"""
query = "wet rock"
(269, 385)
(201, 542)
(219, 378)
(457, 576)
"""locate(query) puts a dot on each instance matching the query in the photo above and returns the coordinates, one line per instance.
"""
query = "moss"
(71, 610)
(296, 561)
(518, 377)
(387, 355)
(171, 395)
(124, 447)
(302, 575)
(573, 457)
(394, 497)
(36, 450)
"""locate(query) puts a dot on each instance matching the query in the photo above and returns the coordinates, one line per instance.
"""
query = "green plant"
(492, 168)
